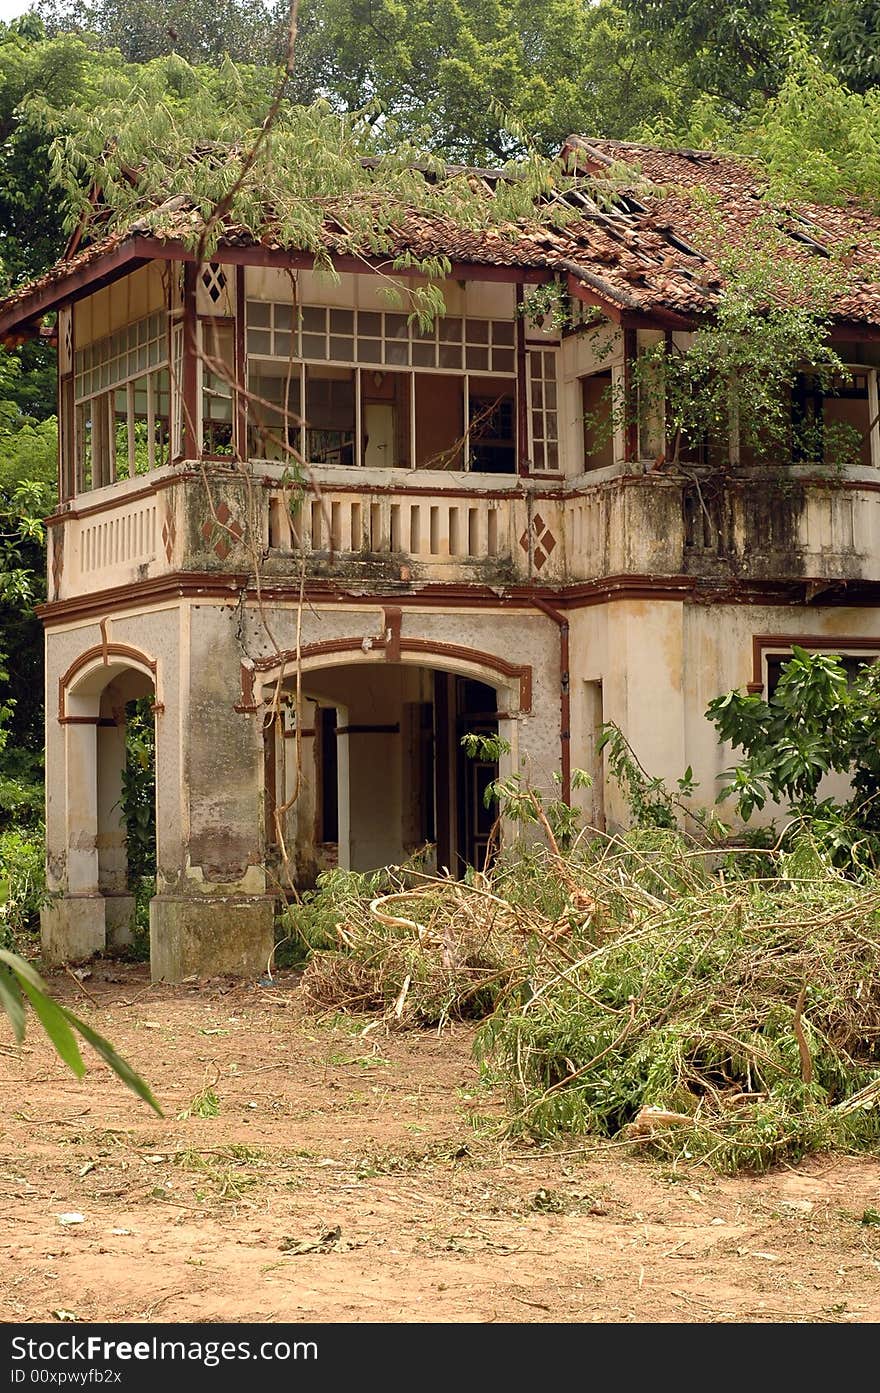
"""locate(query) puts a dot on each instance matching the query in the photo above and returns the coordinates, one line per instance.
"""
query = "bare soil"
(360, 1177)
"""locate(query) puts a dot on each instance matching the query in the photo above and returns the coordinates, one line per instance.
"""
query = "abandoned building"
(468, 553)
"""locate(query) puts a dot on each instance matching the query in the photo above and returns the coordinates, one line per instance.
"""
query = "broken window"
(491, 426)
(274, 411)
(330, 415)
(834, 422)
(597, 419)
(385, 419)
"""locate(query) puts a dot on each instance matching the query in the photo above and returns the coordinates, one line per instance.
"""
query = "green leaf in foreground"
(17, 977)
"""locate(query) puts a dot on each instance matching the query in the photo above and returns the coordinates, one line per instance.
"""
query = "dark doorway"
(464, 824)
(327, 761)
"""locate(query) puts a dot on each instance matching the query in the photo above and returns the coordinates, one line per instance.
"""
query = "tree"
(248, 31)
(816, 722)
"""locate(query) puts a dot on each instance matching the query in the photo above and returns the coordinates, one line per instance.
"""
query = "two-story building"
(466, 551)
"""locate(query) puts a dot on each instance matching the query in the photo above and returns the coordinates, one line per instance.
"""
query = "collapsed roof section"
(642, 239)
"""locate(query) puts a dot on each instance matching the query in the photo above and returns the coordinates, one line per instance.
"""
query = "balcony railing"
(627, 526)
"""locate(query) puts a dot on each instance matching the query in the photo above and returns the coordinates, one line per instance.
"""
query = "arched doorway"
(379, 774)
(88, 832)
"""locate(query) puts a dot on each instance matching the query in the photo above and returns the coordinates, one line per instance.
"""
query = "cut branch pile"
(643, 995)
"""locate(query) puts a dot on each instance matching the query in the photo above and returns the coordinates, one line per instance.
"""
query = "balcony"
(718, 530)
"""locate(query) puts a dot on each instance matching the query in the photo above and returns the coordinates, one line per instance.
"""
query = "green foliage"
(246, 30)
(818, 138)
(748, 1015)
(22, 873)
(649, 801)
(139, 790)
(817, 722)
(518, 800)
(21, 986)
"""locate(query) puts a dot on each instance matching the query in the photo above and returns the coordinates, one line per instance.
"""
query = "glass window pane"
(282, 345)
(450, 355)
(477, 359)
(396, 326)
(502, 331)
(450, 329)
(369, 324)
(258, 314)
(502, 360)
(259, 341)
(342, 348)
(424, 355)
(314, 346)
(342, 322)
(397, 353)
(369, 351)
(314, 321)
(476, 330)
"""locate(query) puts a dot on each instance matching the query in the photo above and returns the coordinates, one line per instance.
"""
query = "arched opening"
(109, 797)
(379, 774)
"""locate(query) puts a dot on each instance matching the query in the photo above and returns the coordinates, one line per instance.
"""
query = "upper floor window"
(122, 404)
(370, 388)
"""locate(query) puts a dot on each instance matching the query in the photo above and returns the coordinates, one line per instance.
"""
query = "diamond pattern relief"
(169, 533)
(57, 559)
(542, 541)
(223, 530)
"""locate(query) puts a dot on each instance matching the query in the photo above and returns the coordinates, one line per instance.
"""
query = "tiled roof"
(650, 251)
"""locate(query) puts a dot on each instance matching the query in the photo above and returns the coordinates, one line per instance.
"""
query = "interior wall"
(374, 778)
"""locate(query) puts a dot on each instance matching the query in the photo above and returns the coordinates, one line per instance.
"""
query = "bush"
(22, 872)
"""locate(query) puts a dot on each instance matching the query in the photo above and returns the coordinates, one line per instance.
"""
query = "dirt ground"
(306, 1171)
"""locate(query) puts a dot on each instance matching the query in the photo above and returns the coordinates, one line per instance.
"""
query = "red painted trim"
(828, 643)
(522, 388)
(190, 362)
(105, 651)
(240, 367)
(288, 660)
(111, 504)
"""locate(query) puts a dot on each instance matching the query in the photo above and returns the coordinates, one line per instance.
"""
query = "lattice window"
(214, 280)
(543, 413)
(125, 354)
(317, 333)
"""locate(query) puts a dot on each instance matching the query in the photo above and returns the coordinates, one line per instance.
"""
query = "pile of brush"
(637, 989)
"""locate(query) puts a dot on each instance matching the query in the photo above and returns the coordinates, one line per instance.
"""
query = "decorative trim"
(108, 505)
(329, 647)
(228, 586)
(829, 643)
(104, 651)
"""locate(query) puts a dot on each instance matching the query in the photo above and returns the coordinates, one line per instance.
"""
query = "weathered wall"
(661, 662)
